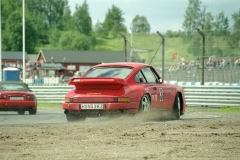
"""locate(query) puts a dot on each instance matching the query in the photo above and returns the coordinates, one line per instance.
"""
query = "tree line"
(51, 23)
(221, 38)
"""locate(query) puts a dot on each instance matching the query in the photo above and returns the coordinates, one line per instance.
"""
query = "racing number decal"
(161, 94)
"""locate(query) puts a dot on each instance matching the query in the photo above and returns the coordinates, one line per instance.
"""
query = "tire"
(145, 104)
(21, 112)
(32, 112)
(177, 107)
(73, 118)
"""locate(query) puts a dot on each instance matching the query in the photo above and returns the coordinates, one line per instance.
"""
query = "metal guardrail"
(53, 94)
(212, 95)
(195, 95)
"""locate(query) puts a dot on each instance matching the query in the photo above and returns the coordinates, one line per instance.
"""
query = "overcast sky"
(162, 15)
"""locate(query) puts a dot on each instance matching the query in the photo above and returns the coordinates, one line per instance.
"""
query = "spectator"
(222, 64)
(236, 63)
(228, 63)
(182, 60)
(62, 78)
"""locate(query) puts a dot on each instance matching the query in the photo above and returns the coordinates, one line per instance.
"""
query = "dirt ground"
(141, 137)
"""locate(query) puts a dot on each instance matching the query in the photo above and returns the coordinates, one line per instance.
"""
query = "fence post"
(203, 54)
(162, 52)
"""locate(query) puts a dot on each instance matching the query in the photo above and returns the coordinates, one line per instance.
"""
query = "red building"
(67, 63)
(13, 59)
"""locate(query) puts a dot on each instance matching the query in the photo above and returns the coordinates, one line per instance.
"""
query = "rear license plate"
(16, 98)
(92, 106)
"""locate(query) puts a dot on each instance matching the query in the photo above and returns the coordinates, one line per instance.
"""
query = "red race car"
(123, 87)
(16, 96)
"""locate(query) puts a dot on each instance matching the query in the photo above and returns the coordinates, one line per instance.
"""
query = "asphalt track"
(57, 116)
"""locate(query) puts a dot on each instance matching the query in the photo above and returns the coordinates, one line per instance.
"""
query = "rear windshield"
(116, 72)
(13, 87)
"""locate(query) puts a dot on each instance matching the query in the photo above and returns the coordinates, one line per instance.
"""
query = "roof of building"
(32, 58)
(14, 55)
(60, 56)
(53, 66)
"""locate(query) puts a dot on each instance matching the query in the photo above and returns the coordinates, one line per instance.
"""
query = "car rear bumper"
(110, 108)
(13, 106)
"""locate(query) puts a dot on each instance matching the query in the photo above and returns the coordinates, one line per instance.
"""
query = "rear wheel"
(21, 112)
(145, 104)
(177, 107)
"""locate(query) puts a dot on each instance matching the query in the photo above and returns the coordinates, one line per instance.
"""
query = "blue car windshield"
(116, 72)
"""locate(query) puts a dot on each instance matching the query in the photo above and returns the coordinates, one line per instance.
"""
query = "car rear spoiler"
(97, 83)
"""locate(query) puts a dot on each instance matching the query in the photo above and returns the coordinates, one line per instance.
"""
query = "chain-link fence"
(231, 75)
(184, 54)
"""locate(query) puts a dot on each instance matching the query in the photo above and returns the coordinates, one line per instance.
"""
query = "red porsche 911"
(16, 96)
(123, 87)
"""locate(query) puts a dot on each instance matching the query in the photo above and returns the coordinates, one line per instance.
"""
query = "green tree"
(12, 35)
(73, 40)
(211, 49)
(140, 25)
(193, 17)
(54, 37)
(98, 28)
(234, 38)
(52, 9)
(8, 6)
(236, 18)
(171, 34)
(82, 20)
(195, 46)
(67, 20)
(221, 25)
(40, 25)
(113, 23)
(208, 22)
(45, 15)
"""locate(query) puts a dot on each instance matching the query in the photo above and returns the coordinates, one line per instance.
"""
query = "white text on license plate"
(92, 106)
(16, 98)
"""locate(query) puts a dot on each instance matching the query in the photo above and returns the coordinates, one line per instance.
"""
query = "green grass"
(226, 109)
(152, 42)
(147, 42)
(230, 109)
(46, 105)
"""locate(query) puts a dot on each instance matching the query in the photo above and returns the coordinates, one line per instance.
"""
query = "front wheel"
(176, 107)
(145, 104)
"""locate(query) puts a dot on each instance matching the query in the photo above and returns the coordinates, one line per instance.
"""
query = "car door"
(151, 84)
(160, 93)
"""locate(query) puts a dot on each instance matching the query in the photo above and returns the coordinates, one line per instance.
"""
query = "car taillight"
(122, 99)
(30, 96)
(68, 100)
(3, 96)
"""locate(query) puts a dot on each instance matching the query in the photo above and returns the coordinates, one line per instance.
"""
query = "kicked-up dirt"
(141, 137)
